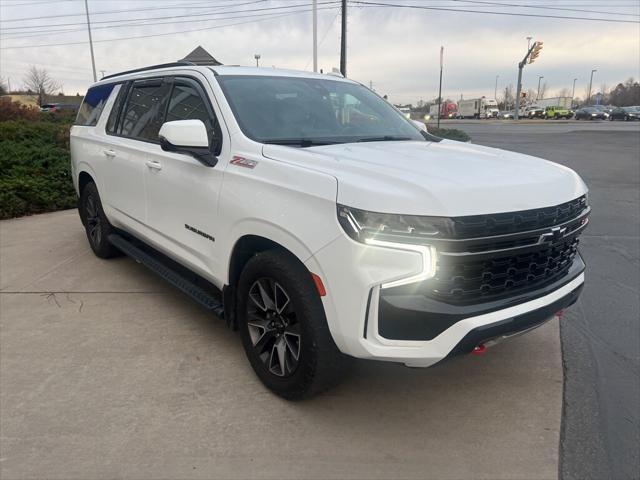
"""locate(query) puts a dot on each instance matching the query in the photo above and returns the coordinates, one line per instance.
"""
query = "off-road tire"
(320, 364)
(95, 222)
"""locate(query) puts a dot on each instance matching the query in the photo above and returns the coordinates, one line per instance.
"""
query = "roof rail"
(152, 67)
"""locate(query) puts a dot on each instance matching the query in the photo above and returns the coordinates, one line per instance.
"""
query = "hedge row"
(35, 173)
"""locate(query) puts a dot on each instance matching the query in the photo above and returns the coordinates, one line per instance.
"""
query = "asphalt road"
(601, 334)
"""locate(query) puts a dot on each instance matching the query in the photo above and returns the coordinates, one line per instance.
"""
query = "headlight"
(594, 114)
(401, 232)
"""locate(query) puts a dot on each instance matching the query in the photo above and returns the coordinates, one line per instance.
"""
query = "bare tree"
(508, 97)
(40, 83)
(564, 92)
(3, 87)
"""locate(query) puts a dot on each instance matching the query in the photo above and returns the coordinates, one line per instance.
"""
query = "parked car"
(625, 113)
(309, 214)
(557, 112)
(59, 108)
(590, 113)
(534, 112)
(507, 114)
(49, 107)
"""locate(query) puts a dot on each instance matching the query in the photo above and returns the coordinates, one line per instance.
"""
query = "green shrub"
(449, 133)
(35, 173)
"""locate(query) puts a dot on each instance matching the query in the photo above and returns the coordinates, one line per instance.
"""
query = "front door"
(182, 193)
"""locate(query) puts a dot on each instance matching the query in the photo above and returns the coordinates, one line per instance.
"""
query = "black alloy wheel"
(273, 327)
(95, 222)
(283, 326)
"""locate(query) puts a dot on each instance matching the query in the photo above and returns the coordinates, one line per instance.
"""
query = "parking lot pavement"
(601, 333)
(106, 372)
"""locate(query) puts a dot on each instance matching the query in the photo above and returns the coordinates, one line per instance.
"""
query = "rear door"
(182, 193)
(133, 131)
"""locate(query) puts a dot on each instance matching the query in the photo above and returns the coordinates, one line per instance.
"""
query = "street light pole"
(495, 90)
(343, 40)
(440, 88)
(315, 35)
(590, 84)
(573, 91)
(538, 94)
(257, 57)
(93, 60)
(529, 43)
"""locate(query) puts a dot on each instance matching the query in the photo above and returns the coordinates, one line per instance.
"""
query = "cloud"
(396, 49)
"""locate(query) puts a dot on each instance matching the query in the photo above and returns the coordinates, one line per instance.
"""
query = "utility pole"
(590, 83)
(573, 91)
(343, 40)
(495, 91)
(93, 60)
(538, 94)
(315, 35)
(530, 57)
(440, 88)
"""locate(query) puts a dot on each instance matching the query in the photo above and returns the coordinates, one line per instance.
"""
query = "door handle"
(109, 153)
(154, 165)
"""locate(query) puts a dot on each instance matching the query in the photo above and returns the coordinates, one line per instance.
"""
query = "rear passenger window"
(92, 105)
(143, 113)
(116, 109)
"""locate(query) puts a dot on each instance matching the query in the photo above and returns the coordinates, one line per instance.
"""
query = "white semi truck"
(564, 102)
(478, 108)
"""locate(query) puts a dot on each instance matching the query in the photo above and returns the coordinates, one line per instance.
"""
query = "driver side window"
(187, 103)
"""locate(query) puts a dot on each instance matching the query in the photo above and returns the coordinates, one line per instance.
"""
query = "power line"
(177, 16)
(110, 12)
(132, 23)
(511, 14)
(273, 16)
(142, 25)
(545, 7)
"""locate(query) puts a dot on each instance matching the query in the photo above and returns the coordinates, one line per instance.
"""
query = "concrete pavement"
(107, 372)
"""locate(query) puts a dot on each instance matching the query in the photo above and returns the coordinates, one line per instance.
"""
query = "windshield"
(311, 111)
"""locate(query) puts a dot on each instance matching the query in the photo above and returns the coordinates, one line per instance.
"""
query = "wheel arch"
(84, 178)
(244, 248)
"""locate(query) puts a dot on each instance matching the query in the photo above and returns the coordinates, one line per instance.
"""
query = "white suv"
(312, 216)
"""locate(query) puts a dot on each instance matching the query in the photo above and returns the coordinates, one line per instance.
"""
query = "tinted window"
(92, 105)
(273, 109)
(187, 103)
(116, 109)
(144, 111)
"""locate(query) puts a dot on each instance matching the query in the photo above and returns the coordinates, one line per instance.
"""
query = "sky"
(394, 48)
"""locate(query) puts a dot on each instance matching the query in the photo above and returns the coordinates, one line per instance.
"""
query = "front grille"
(507, 254)
(504, 223)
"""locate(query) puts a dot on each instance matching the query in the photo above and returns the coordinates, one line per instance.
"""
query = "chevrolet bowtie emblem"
(554, 235)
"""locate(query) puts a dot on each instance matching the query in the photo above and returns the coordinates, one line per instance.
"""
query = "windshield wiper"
(302, 142)
(386, 138)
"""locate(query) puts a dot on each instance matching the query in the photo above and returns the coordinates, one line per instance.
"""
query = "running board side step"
(163, 267)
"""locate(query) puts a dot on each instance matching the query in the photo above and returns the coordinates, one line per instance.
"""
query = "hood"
(446, 178)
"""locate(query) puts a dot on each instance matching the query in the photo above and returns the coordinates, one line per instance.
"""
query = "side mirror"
(419, 125)
(189, 137)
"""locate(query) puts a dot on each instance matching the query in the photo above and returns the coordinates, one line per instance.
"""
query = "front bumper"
(357, 308)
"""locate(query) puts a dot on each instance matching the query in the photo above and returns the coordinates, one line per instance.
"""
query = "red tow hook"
(560, 314)
(480, 349)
